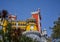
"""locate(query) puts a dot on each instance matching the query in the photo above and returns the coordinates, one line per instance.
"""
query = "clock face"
(32, 27)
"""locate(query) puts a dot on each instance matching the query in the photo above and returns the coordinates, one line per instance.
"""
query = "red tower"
(37, 16)
(12, 17)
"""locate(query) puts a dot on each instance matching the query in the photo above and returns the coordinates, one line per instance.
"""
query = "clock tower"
(37, 16)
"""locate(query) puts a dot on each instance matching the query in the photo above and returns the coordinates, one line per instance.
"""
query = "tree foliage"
(0, 40)
(4, 13)
(56, 29)
(25, 39)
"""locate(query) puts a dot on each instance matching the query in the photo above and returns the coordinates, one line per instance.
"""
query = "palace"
(31, 27)
(31, 24)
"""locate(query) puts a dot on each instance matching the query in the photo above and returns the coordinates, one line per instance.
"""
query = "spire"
(45, 32)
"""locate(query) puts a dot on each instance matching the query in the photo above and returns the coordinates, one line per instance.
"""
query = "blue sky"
(50, 10)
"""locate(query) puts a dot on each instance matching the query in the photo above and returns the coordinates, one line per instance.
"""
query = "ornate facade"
(32, 25)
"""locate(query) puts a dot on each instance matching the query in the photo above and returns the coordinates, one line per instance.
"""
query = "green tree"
(49, 39)
(26, 39)
(8, 32)
(18, 37)
(0, 40)
(0, 32)
(4, 13)
(56, 29)
(6, 35)
(0, 35)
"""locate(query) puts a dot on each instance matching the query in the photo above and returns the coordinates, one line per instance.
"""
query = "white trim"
(39, 24)
(13, 16)
(16, 25)
(35, 12)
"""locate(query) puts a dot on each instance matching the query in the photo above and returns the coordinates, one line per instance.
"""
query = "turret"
(12, 17)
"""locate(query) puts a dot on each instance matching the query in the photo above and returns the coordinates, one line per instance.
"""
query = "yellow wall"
(28, 28)
(21, 24)
(4, 23)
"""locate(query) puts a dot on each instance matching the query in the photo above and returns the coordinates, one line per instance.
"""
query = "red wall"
(36, 16)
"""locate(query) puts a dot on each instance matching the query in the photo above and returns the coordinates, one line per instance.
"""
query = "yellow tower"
(5, 23)
(31, 25)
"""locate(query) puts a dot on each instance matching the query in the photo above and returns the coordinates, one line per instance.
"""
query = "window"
(0, 27)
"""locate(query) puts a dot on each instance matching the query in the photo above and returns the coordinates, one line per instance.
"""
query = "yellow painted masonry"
(4, 24)
(34, 28)
(26, 26)
(19, 24)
